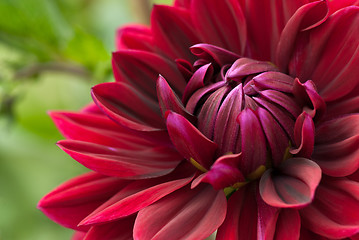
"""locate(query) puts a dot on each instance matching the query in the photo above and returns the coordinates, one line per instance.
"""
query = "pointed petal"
(174, 32)
(141, 194)
(241, 218)
(133, 164)
(254, 149)
(128, 107)
(335, 211)
(304, 132)
(198, 211)
(72, 201)
(118, 230)
(306, 17)
(189, 141)
(140, 69)
(222, 24)
(293, 184)
(337, 146)
(168, 100)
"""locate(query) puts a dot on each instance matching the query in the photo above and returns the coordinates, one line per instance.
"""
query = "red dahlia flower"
(240, 116)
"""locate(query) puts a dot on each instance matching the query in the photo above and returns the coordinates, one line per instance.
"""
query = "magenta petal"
(224, 172)
(132, 164)
(189, 141)
(168, 100)
(304, 136)
(173, 30)
(222, 24)
(306, 17)
(241, 219)
(182, 3)
(267, 218)
(118, 230)
(288, 225)
(72, 201)
(336, 222)
(336, 147)
(253, 155)
(293, 184)
(198, 211)
(128, 107)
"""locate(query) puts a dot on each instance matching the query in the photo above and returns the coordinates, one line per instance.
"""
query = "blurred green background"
(51, 53)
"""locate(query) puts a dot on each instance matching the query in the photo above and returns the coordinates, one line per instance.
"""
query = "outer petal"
(221, 24)
(140, 194)
(334, 222)
(241, 218)
(306, 17)
(72, 201)
(135, 37)
(198, 211)
(119, 230)
(293, 184)
(133, 164)
(288, 225)
(174, 31)
(140, 69)
(189, 141)
(337, 146)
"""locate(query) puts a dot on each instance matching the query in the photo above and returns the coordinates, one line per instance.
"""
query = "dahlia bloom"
(239, 116)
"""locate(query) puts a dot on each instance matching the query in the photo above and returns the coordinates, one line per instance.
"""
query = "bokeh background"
(51, 53)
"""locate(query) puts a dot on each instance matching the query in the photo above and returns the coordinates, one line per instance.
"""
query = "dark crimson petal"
(128, 107)
(174, 31)
(214, 54)
(253, 155)
(224, 172)
(306, 94)
(182, 3)
(97, 129)
(168, 100)
(139, 195)
(337, 146)
(329, 55)
(199, 94)
(283, 100)
(288, 225)
(226, 129)
(274, 80)
(198, 212)
(304, 132)
(135, 37)
(140, 69)
(265, 22)
(267, 218)
(185, 68)
(275, 135)
(241, 219)
(246, 66)
(283, 118)
(336, 222)
(72, 201)
(293, 184)
(341, 107)
(210, 110)
(189, 141)
(221, 24)
(132, 164)
(305, 18)
(118, 230)
(197, 81)
(336, 5)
